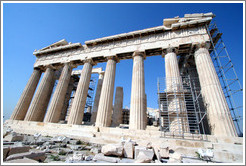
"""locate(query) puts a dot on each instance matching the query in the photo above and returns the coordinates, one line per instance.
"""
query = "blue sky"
(27, 27)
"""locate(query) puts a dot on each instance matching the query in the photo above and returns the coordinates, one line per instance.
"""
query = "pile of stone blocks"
(14, 151)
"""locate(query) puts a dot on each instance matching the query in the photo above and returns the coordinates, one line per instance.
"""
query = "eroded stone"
(112, 149)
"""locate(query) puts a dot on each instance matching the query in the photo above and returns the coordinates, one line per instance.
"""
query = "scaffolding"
(188, 98)
(226, 72)
(181, 110)
(90, 95)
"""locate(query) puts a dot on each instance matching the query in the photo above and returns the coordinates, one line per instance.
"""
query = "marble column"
(138, 117)
(77, 111)
(118, 104)
(41, 98)
(67, 99)
(58, 99)
(26, 96)
(97, 97)
(218, 113)
(104, 113)
(178, 120)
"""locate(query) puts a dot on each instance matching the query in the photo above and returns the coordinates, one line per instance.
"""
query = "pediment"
(60, 43)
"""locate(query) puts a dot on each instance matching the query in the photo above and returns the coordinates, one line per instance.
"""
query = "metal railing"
(90, 95)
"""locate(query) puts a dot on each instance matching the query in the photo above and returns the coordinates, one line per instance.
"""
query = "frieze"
(126, 45)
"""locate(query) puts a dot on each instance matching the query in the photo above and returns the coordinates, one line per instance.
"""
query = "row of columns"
(211, 90)
(36, 111)
(55, 107)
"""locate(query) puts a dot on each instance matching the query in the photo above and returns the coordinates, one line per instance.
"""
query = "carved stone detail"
(196, 34)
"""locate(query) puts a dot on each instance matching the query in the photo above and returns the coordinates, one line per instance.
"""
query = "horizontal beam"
(152, 44)
(94, 70)
(174, 26)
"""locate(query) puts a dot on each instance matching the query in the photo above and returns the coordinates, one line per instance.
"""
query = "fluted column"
(218, 113)
(77, 111)
(21, 108)
(58, 99)
(138, 117)
(176, 103)
(104, 113)
(118, 104)
(97, 97)
(41, 99)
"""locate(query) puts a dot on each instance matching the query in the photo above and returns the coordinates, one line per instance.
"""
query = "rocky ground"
(22, 148)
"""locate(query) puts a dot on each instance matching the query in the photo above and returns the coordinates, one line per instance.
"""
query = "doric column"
(97, 97)
(26, 96)
(41, 99)
(67, 99)
(178, 120)
(138, 117)
(77, 111)
(104, 113)
(58, 99)
(118, 104)
(218, 113)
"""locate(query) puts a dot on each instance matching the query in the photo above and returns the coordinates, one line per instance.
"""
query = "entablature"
(182, 34)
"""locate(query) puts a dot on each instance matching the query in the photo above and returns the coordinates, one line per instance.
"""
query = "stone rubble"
(23, 148)
(18, 149)
(144, 156)
(164, 152)
(39, 156)
(128, 150)
(101, 157)
(112, 149)
(13, 136)
(24, 160)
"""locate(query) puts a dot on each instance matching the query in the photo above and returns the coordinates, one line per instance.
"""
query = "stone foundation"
(222, 146)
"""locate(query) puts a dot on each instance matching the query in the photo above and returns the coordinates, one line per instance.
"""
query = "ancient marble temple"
(176, 37)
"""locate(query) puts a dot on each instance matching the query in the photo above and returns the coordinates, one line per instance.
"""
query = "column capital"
(89, 61)
(72, 65)
(201, 48)
(50, 66)
(139, 53)
(36, 68)
(169, 50)
(115, 58)
(201, 45)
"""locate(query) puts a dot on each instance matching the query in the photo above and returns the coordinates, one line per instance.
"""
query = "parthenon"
(176, 37)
